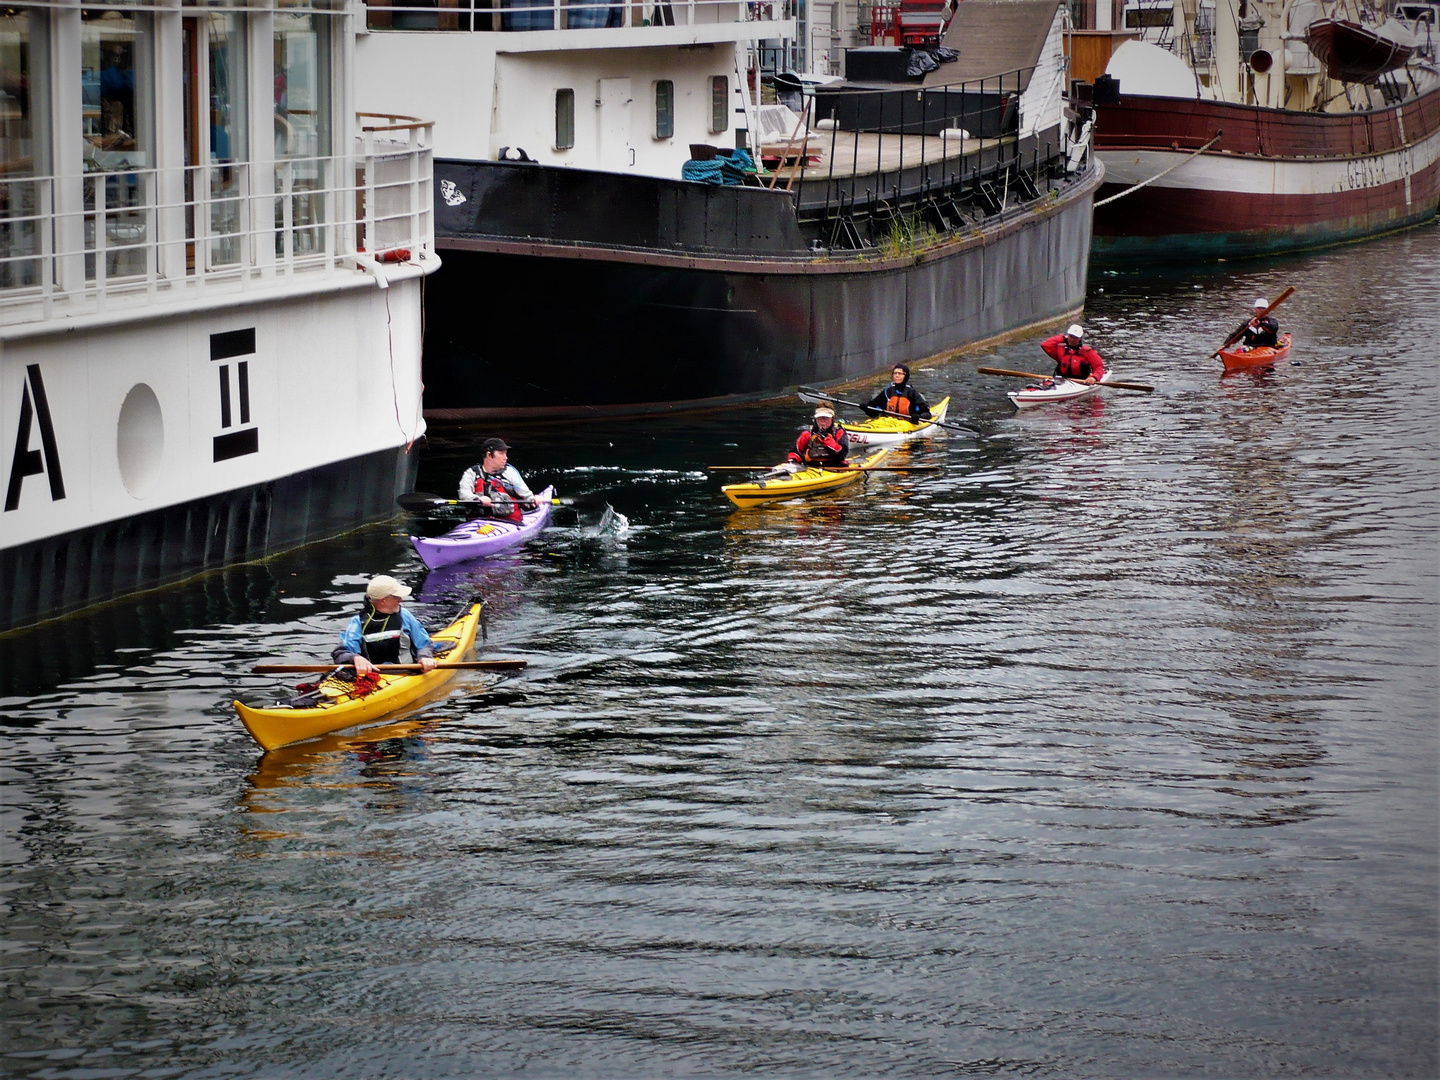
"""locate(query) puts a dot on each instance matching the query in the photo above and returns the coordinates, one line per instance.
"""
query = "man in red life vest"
(1073, 359)
(899, 399)
(824, 445)
(495, 484)
(1262, 329)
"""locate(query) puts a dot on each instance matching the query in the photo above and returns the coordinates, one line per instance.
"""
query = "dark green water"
(1111, 750)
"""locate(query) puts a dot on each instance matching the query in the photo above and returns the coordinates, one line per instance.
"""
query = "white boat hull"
(1061, 390)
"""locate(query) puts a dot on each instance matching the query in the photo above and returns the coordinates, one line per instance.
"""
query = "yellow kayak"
(892, 430)
(339, 708)
(805, 482)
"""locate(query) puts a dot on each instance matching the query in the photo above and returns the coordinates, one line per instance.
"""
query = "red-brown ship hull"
(1276, 180)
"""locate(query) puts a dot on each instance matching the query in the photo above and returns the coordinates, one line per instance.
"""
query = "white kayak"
(1056, 389)
(892, 430)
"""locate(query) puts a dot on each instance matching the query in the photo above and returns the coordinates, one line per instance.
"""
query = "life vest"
(1072, 363)
(817, 452)
(380, 635)
(898, 402)
(505, 502)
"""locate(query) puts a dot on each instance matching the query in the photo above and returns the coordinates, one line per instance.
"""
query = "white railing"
(509, 16)
(87, 244)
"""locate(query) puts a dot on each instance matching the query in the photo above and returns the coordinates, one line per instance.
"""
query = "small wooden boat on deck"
(1260, 356)
(336, 705)
(894, 430)
(810, 481)
(483, 536)
(1057, 389)
(1359, 54)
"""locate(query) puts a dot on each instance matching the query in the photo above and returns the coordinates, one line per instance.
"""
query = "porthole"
(140, 441)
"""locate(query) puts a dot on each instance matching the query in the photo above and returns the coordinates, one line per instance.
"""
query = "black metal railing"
(927, 187)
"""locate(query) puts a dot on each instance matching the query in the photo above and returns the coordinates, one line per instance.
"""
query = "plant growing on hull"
(907, 235)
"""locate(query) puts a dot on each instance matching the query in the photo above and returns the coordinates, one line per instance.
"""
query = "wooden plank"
(889, 153)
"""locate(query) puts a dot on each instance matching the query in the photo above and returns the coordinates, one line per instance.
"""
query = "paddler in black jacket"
(899, 399)
(1261, 330)
(825, 444)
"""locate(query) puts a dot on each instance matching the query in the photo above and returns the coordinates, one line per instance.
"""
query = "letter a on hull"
(28, 462)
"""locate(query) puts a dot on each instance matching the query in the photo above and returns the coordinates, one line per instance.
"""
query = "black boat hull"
(540, 327)
(63, 574)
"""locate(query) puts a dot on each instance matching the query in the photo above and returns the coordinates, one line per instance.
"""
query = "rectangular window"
(302, 130)
(664, 109)
(719, 103)
(564, 119)
(117, 118)
(215, 132)
(22, 155)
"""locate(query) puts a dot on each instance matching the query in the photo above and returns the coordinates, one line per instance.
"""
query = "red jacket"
(1079, 363)
(815, 448)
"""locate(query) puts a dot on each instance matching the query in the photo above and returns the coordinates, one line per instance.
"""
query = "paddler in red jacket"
(826, 444)
(1073, 359)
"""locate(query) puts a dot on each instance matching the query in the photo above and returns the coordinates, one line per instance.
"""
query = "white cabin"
(210, 273)
(621, 87)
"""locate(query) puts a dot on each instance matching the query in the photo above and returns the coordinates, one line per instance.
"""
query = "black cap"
(489, 446)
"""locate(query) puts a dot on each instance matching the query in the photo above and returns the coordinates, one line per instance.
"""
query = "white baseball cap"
(825, 409)
(1076, 330)
(384, 585)
(1260, 301)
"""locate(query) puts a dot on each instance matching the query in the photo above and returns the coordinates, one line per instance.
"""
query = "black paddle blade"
(421, 500)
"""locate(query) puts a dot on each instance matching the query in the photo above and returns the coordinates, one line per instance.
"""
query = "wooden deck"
(867, 153)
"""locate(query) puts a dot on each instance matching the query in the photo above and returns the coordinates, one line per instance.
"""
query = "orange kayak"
(1260, 356)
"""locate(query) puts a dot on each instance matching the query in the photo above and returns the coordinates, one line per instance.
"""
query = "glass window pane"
(302, 130)
(564, 119)
(664, 109)
(115, 90)
(719, 103)
(216, 131)
(226, 55)
(21, 116)
(302, 85)
(117, 117)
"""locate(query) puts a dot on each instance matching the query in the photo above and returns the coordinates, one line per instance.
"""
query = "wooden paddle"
(1034, 375)
(465, 665)
(815, 397)
(420, 500)
(829, 468)
(1238, 334)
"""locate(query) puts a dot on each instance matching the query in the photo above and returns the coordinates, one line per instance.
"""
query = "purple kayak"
(483, 536)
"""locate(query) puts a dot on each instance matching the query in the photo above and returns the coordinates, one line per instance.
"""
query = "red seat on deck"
(920, 23)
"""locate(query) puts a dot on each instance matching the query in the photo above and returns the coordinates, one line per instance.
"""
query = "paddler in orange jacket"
(825, 444)
(1073, 359)
(899, 399)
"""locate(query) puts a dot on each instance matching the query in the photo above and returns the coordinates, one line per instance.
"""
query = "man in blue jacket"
(374, 636)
